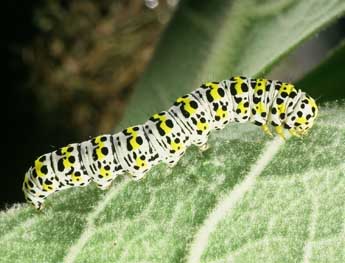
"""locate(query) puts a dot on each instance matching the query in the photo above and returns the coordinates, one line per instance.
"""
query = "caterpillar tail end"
(31, 191)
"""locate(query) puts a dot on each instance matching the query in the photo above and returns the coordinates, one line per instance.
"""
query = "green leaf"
(248, 197)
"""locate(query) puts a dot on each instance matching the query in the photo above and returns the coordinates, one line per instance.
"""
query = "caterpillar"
(165, 136)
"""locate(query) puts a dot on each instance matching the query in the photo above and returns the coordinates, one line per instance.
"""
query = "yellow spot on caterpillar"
(260, 107)
(162, 123)
(187, 107)
(221, 113)
(238, 85)
(241, 107)
(47, 187)
(75, 178)
(201, 126)
(100, 145)
(313, 104)
(281, 108)
(140, 163)
(133, 140)
(176, 146)
(38, 166)
(104, 173)
(64, 150)
(301, 120)
(260, 85)
(286, 87)
(214, 90)
(66, 162)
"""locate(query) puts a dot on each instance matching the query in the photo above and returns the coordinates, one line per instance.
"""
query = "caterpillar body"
(166, 135)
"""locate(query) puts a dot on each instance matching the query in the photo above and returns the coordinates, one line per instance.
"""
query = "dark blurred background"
(69, 69)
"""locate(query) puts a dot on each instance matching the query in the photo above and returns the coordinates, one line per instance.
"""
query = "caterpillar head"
(301, 119)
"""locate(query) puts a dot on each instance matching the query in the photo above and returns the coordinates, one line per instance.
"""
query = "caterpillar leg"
(204, 147)
(294, 133)
(172, 164)
(104, 186)
(173, 160)
(201, 143)
(41, 207)
(137, 176)
(266, 129)
(280, 131)
(38, 208)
